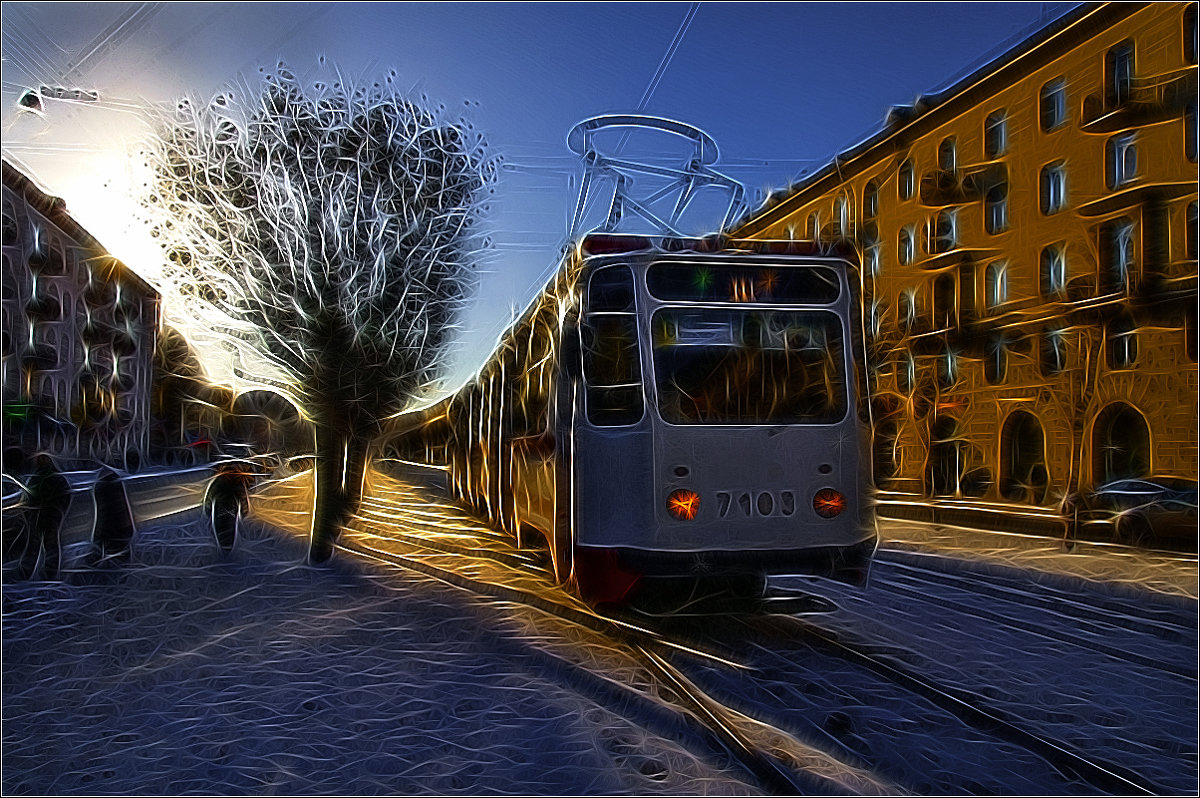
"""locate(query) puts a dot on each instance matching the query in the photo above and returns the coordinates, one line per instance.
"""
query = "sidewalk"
(189, 673)
(1163, 572)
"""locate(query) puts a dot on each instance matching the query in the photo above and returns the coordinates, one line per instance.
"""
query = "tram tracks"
(450, 550)
(781, 763)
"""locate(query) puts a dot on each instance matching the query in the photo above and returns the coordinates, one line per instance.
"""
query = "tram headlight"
(683, 504)
(829, 502)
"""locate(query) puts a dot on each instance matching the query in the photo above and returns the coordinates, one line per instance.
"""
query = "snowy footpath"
(188, 673)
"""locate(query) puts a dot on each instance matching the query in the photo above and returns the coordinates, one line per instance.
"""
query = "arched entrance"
(1120, 444)
(1023, 475)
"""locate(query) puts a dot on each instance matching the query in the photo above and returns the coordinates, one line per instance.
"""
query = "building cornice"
(930, 112)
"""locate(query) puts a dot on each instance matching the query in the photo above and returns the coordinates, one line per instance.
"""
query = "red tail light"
(683, 504)
(828, 503)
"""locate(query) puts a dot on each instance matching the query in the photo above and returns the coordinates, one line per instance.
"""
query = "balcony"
(942, 187)
(1146, 101)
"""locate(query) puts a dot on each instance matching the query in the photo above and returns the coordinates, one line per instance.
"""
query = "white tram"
(676, 408)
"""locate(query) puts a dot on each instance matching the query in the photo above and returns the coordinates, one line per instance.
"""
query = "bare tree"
(333, 230)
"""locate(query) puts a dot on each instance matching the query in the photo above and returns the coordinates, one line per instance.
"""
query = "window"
(995, 135)
(1117, 254)
(907, 184)
(947, 371)
(906, 374)
(873, 258)
(12, 233)
(1053, 352)
(996, 364)
(871, 249)
(945, 232)
(995, 209)
(870, 207)
(906, 309)
(1189, 241)
(1053, 106)
(611, 363)
(813, 228)
(1120, 160)
(1053, 271)
(1121, 337)
(1118, 74)
(841, 213)
(875, 319)
(906, 249)
(948, 154)
(1054, 187)
(1189, 33)
(997, 284)
(1189, 132)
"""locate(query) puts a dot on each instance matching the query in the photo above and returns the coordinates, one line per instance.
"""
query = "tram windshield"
(734, 366)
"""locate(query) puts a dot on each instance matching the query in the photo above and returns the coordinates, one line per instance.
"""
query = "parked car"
(16, 501)
(1149, 511)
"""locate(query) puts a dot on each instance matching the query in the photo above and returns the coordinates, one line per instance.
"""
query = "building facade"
(1028, 250)
(79, 332)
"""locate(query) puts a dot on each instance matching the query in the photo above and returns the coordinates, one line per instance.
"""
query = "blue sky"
(781, 87)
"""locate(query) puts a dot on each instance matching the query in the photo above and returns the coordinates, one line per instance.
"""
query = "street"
(433, 657)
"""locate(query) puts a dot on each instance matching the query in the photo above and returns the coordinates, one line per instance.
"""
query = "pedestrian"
(49, 495)
(113, 527)
(226, 500)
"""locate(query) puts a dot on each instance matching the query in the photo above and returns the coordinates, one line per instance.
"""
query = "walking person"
(226, 501)
(113, 527)
(49, 495)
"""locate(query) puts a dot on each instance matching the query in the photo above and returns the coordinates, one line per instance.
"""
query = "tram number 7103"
(745, 503)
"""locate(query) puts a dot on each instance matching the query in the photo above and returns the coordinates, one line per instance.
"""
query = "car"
(16, 503)
(1146, 511)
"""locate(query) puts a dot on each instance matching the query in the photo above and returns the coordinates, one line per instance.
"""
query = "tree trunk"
(341, 463)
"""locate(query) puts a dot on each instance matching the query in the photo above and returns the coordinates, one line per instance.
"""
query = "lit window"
(813, 228)
(907, 185)
(841, 212)
(995, 135)
(997, 284)
(1053, 106)
(1054, 187)
(1121, 160)
(907, 249)
(1053, 271)
(995, 209)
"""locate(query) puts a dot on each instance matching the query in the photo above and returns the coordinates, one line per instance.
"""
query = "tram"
(674, 408)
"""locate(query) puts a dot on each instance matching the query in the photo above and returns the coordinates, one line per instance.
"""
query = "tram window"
(718, 366)
(611, 289)
(612, 369)
(689, 282)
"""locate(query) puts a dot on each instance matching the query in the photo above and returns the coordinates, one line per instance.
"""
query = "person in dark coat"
(226, 500)
(113, 527)
(49, 495)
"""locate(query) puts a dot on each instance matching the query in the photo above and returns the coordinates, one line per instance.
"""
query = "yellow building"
(1028, 241)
